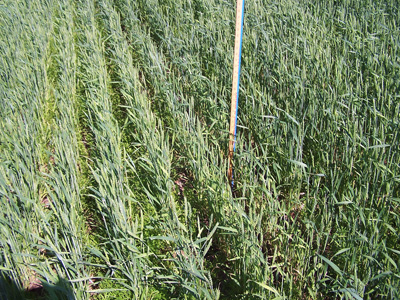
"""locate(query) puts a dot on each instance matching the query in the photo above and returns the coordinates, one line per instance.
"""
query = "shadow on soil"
(9, 290)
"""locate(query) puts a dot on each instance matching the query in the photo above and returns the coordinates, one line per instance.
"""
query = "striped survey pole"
(235, 83)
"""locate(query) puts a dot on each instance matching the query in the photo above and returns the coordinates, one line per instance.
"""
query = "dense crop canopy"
(114, 119)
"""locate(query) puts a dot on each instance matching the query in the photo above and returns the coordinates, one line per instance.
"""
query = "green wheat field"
(114, 135)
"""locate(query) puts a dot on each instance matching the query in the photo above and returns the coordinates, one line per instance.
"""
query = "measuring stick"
(235, 83)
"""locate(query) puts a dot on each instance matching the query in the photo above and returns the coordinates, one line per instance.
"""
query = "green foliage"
(113, 143)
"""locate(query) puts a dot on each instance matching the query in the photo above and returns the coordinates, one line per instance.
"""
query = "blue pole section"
(238, 75)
